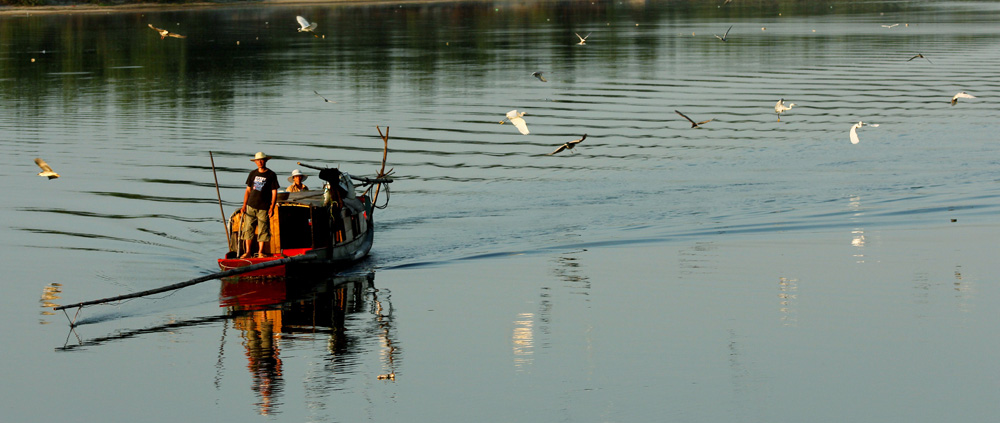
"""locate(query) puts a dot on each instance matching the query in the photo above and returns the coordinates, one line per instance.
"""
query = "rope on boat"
(200, 279)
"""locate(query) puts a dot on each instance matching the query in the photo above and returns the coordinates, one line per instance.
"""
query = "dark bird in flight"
(324, 98)
(539, 76)
(569, 145)
(47, 171)
(921, 56)
(164, 33)
(693, 123)
(725, 37)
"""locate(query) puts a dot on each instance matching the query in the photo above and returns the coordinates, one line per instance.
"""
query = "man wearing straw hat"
(258, 204)
(296, 180)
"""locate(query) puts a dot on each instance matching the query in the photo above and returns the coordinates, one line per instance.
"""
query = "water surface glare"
(748, 270)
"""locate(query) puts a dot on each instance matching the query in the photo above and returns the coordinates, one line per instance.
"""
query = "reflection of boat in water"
(328, 229)
(272, 314)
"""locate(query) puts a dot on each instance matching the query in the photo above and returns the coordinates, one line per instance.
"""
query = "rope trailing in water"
(200, 279)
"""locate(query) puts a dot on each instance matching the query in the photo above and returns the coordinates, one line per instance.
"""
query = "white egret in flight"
(47, 171)
(306, 26)
(854, 131)
(962, 94)
(516, 118)
(780, 108)
(164, 33)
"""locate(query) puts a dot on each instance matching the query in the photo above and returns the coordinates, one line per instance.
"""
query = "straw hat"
(260, 155)
(297, 173)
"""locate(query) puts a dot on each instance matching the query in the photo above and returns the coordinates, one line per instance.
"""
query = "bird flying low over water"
(305, 25)
(516, 119)
(324, 98)
(962, 94)
(569, 145)
(164, 33)
(47, 171)
(780, 108)
(693, 123)
(854, 131)
(921, 56)
(725, 37)
(890, 26)
(539, 76)
(583, 40)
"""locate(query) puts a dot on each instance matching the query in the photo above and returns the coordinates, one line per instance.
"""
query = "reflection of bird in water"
(693, 123)
(515, 118)
(387, 376)
(324, 98)
(539, 76)
(164, 33)
(962, 94)
(921, 56)
(780, 108)
(583, 40)
(854, 131)
(890, 26)
(724, 37)
(46, 170)
(569, 145)
(305, 25)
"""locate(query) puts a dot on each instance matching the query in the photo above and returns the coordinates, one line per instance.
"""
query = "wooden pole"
(219, 194)
(200, 279)
(385, 152)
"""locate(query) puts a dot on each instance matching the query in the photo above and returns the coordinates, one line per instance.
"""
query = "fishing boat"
(319, 230)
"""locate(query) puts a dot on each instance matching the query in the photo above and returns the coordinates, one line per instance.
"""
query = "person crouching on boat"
(296, 180)
(258, 204)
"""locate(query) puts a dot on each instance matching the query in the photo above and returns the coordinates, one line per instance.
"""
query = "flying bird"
(164, 33)
(921, 56)
(890, 26)
(693, 123)
(780, 108)
(324, 98)
(854, 131)
(569, 145)
(539, 76)
(306, 26)
(962, 94)
(583, 40)
(46, 170)
(725, 37)
(515, 118)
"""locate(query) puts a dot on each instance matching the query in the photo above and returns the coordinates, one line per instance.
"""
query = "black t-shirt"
(261, 185)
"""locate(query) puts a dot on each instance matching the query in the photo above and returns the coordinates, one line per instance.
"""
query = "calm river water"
(752, 270)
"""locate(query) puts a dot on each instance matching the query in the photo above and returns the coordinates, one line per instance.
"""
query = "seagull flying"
(890, 26)
(962, 94)
(324, 98)
(515, 118)
(305, 25)
(569, 145)
(780, 108)
(725, 37)
(46, 170)
(921, 56)
(693, 123)
(854, 131)
(164, 33)
(583, 40)
(539, 76)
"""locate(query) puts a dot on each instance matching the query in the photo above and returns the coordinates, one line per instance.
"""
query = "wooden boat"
(323, 230)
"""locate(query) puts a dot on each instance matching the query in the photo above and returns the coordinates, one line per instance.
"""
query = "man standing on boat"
(258, 204)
